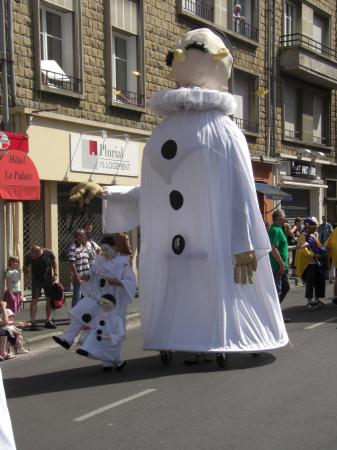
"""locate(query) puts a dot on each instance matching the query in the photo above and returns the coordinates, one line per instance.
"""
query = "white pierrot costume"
(198, 209)
(6, 432)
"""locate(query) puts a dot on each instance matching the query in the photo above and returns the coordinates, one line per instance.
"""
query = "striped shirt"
(80, 257)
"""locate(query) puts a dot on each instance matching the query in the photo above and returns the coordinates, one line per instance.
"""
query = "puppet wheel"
(166, 358)
(221, 360)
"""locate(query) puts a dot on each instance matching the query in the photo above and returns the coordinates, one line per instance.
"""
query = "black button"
(102, 323)
(178, 244)
(169, 149)
(99, 331)
(99, 338)
(176, 199)
(86, 318)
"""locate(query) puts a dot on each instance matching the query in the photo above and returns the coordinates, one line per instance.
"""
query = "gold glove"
(85, 192)
(245, 265)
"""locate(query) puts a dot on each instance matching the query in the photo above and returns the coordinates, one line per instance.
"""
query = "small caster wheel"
(166, 358)
(221, 360)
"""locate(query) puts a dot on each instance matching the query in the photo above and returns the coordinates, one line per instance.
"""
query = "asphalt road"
(281, 400)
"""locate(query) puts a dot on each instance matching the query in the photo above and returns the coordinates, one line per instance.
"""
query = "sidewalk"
(37, 339)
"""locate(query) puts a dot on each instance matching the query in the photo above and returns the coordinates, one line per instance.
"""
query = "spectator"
(279, 255)
(12, 295)
(237, 14)
(14, 336)
(78, 258)
(324, 230)
(93, 248)
(312, 264)
(43, 275)
(3, 334)
(296, 231)
(267, 225)
(122, 244)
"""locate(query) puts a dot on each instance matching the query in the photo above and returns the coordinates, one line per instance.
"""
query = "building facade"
(84, 70)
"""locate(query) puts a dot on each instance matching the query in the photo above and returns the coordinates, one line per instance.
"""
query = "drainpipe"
(4, 65)
(268, 76)
(11, 51)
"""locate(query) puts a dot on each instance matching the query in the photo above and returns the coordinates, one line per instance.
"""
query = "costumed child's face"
(311, 228)
(108, 252)
(106, 304)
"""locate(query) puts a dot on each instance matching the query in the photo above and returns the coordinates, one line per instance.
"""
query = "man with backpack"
(43, 274)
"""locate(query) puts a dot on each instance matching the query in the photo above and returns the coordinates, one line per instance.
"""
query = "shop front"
(65, 153)
(303, 180)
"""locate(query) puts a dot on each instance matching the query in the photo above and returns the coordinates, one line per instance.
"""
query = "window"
(291, 112)
(244, 94)
(320, 120)
(245, 20)
(201, 8)
(289, 18)
(320, 33)
(57, 46)
(125, 60)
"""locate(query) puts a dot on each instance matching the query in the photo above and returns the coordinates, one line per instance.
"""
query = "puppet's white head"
(108, 247)
(202, 60)
(107, 302)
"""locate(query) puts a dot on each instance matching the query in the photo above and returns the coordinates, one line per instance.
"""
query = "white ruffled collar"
(168, 101)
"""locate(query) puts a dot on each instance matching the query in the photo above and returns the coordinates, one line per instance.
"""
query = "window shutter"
(290, 107)
(220, 12)
(124, 15)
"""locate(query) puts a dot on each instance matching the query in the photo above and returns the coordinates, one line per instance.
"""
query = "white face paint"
(106, 304)
(108, 252)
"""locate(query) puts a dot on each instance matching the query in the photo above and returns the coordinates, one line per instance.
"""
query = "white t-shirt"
(14, 277)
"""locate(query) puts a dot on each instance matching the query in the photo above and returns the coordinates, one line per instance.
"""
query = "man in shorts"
(43, 274)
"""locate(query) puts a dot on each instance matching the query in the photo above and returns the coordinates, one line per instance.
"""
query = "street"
(285, 399)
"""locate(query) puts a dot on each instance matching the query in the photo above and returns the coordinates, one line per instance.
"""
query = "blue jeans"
(76, 293)
(282, 284)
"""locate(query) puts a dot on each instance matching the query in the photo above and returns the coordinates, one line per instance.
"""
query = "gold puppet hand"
(245, 265)
(84, 192)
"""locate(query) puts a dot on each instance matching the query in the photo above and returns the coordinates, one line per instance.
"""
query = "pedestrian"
(42, 262)
(78, 257)
(312, 264)
(12, 295)
(111, 274)
(279, 255)
(93, 248)
(324, 230)
(14, 336)
(3, 333)
(296, 230)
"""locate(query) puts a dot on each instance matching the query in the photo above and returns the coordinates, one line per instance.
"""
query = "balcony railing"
(292, 134)
(245, 29)
(199, 8)
(246, 125)
(300, 40)
(61, 81)
(128, 97)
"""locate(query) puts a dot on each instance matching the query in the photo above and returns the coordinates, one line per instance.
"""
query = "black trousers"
(314, 282)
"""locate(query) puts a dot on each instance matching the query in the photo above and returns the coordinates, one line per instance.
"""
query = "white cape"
(6, 432)
(197, 183)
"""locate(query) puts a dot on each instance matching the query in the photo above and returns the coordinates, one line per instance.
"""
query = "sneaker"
(49, 324)
(310, 306)
(61, 342)
(21, 351)
(120, 366)
(33, 327)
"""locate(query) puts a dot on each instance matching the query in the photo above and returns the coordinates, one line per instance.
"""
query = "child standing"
(12, 295)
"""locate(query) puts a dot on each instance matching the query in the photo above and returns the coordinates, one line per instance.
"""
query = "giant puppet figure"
(202, 234)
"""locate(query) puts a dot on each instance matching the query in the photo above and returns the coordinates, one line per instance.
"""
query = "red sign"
(19, 179)
(13, 141)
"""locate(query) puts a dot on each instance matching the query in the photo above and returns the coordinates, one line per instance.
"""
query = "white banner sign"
(109, 156)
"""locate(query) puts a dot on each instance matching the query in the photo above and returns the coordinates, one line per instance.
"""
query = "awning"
(19, 179)
(272, 192)
(299, 184)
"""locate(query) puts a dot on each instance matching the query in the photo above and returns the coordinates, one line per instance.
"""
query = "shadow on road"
(301, 314)
(135, 370)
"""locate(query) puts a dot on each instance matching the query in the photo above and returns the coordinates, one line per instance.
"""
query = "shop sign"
(19, 179)
(108, 156)
(302, 169)
(13, 141)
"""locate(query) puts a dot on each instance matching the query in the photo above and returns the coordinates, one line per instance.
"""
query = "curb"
(46, 341)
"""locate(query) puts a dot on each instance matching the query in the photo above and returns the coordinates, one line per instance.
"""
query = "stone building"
(83, 73)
